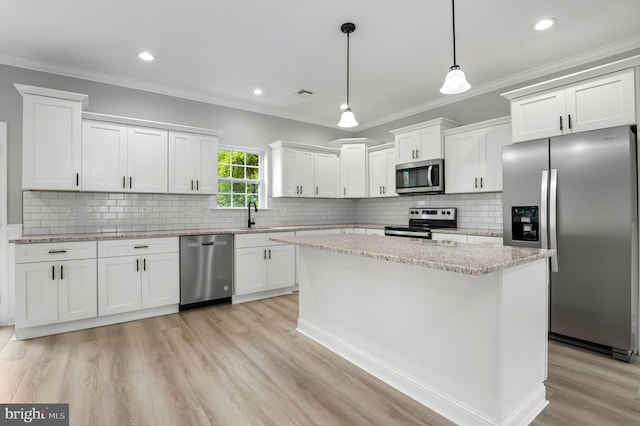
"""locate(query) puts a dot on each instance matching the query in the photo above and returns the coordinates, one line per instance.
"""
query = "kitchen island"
(459, 327)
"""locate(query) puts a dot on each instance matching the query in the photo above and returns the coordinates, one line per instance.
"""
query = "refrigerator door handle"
(544, 196)
(553, 211)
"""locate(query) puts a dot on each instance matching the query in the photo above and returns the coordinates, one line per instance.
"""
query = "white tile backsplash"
(68, 212)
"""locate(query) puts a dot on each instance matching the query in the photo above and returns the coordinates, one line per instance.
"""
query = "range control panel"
(439, 213)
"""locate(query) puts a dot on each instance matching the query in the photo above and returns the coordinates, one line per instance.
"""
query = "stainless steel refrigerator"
(577, 194)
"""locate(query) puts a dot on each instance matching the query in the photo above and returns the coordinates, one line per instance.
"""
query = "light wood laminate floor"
(246, 364)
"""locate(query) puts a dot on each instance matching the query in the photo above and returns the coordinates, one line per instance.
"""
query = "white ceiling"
(219, 51)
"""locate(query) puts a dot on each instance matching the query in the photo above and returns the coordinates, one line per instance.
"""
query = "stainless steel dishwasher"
(206, 270)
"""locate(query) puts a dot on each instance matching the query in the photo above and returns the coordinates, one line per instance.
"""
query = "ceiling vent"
(304, 93)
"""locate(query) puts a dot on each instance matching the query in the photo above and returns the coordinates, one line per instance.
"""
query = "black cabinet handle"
(569, 121)
(144, 264)
(124, 181)
(61, 272)
(192, 184)
(130, 182)
(475, 185)
(140, 247)
(560, 122)
(265, 254)
(481, 181)
(57, 251)
(53, 273)
(137, 265)
(269, 253)
(77, 179)
(197, 185)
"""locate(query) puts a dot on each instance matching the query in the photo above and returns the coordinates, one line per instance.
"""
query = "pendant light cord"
(453, 18)
(348, 105)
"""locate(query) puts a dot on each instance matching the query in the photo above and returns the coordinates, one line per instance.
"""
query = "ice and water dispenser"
(525, 223)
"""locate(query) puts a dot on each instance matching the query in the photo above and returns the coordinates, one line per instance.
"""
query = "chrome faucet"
(251, 221)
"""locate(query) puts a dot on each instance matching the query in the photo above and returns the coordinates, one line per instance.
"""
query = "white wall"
(4, 248)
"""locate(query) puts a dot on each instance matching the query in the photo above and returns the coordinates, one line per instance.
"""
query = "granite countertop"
(466, 258)
(32, 239)
(470, 231)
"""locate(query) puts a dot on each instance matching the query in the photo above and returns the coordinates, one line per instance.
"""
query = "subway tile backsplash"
(50, 212)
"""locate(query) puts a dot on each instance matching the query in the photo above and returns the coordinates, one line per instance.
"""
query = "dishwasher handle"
(207, 244)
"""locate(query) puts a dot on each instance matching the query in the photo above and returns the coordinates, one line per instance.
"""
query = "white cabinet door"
(306, 173)
(289, 181)
(250, 270)
(429, 143)
(36, 294)
(406, 145)
(182, 158)
(389, 189)
(206, 163)
(147, 160)
(481, 239)
(77, 290)
(51, 143)
(492, 141)
(104, 156)
(326, 174)
(449, 237)
(377, 173)
(538, 116)
(601, 102)
(119, 287)
(461, 163)
(353, 170)
(281, 261)
(160, 280)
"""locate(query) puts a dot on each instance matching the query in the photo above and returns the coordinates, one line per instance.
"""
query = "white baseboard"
(437, 401)
(64, 327)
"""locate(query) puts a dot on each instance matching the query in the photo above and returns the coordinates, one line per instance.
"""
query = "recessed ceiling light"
(257, 92)
(146, 56)
(344, 106)
(545, 24)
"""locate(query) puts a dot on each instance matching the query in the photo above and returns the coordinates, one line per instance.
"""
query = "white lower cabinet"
(262, 265)
(137, 274)
(468, 238)
(55, 282)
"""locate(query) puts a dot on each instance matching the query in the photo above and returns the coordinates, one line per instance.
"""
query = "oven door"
(420, 177)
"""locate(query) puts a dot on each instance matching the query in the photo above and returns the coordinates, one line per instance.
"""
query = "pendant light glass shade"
(348, 119)
(455, 82)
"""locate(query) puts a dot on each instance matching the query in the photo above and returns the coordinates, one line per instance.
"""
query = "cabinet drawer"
(26, 253)
(250, 240)
(278, 234)
(114, 248)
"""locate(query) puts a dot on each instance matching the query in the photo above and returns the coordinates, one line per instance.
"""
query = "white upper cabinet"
(51, 139)
(193, 163)
(595, 103)
(382, 171)
(121, 158)
(473, 156)
(353, 170)
(104, 156)
(326, 174)
(422, 141)
(299, 170)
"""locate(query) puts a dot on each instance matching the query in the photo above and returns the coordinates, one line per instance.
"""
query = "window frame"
(262, 183)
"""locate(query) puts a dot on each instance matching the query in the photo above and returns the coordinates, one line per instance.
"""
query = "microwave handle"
(429, 180)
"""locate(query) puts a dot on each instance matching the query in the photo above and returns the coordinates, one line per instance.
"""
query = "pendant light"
(347, 119)
(455, 81)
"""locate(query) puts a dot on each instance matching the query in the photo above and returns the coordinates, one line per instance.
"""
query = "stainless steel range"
(422, 220)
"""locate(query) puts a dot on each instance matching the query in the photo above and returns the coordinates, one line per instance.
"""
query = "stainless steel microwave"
(420, 177)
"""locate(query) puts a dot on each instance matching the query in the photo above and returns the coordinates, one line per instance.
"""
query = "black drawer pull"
(208, 244)
(53, 273)
(57, 251)
(137, 247)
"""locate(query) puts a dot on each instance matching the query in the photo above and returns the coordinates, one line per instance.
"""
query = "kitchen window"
(240, 177)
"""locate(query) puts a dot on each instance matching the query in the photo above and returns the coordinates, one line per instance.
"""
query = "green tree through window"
(239, 177)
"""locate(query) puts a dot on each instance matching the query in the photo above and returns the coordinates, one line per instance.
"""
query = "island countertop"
(465, 258)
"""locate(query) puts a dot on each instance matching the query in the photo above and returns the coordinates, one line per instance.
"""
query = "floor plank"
(246, 364)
